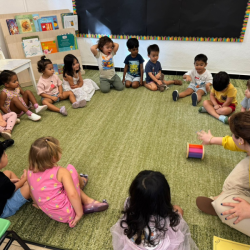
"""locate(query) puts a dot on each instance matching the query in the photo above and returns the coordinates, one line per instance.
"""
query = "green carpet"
(117, 135)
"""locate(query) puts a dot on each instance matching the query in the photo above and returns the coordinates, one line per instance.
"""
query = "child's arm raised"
(125, 72)
(94, 49)
(64, 176)
(3, 97)
(116, 47)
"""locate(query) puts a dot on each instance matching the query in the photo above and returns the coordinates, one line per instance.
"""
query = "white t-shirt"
(198, 79)
(106, 64)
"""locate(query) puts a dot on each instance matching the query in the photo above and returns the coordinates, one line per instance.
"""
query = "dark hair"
(153, 47)
(149, 196)
(5, 76)
(248, 84)
(221, 81)
(41, 65)
(132, 43)
(4, 145)
(102, 41)
(68, 62)
(201, 57)
(240, 125)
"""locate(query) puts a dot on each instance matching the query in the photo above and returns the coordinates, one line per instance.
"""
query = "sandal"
(85, 179)
(205, 205)
(95, 207)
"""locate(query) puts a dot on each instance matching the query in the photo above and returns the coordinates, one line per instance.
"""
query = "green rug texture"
(115, 137)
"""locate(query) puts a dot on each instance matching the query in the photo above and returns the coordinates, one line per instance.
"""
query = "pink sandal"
(95, 207)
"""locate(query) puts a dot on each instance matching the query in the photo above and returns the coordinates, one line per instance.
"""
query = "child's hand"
(55, 98)
(205, 137)
(217, 107)
(3, 123)
(159, 82)
(14, 180)
(74, 222)
(188, 78)
(24, 176)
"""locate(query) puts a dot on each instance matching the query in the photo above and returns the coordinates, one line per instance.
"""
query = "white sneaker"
(41, 108)
(34, 117)
(18, 121)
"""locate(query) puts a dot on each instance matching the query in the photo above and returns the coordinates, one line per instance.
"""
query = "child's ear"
(148, 56)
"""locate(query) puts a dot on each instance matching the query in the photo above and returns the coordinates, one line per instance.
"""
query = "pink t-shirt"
(48, 86)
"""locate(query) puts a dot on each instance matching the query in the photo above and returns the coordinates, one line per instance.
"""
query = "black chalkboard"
(183, 18)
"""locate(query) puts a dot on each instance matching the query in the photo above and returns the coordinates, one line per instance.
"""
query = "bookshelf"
(15, 48)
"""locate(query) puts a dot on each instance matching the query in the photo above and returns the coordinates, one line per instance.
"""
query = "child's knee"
(135, 85)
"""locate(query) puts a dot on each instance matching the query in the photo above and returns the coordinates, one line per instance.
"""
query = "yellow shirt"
(222, 96)
(228, 143)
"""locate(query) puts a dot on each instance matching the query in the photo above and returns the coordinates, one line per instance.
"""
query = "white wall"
(174, 55)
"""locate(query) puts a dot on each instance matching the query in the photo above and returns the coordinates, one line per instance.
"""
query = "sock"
(29, 113)
(63, 110)
(36, 105)
(223, 119)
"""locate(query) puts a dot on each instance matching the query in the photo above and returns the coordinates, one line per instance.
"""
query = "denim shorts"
(132, 78)
(13, 204)
(58, 100)
(195, 89)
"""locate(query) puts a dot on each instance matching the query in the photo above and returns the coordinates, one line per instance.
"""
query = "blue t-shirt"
(153, 68)
(134, 65)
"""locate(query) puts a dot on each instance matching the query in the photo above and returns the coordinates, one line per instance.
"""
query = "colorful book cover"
(56, 69)
(66, 42)
(55, 22)
(71, 22)
(65, 14)
(46, 24)
(25, 23)
(35, 18)
(12, 26)
(222, 244)
(32, 47)
(60, 68)
(49, 47)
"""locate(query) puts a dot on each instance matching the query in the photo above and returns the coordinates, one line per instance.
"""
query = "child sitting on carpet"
(72, 80)
(104, 52)
(14, 99)
(154, 77)
(133, 70)
(7, 123)
(200, 80)
(222, 98)
(150, 221)
(246, 101)
(14, 192)
(49, 87)
(57, 191)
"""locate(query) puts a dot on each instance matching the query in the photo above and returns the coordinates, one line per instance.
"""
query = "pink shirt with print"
(48, 86)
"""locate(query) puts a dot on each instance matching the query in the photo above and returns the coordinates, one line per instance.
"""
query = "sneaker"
(202, 110)
(79, 104)
(175, 95)
(41, 108)
(194, 98)
(34, 117)
(63, 111)
(6, 135)
(18, 121)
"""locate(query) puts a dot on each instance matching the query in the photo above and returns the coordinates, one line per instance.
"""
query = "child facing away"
(7, 123)
(72, 80)
(154, 77)
(49, 87)
(104, 52)
(150, 221)
(133, 70)
(57, 191)
(200, 80)
(14, 99)
(222, 98)
(14, 192)
(245, 104)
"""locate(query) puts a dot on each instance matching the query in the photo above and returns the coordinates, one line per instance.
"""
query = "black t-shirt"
(7, 189)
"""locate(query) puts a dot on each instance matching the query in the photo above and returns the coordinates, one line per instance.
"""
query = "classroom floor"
(115, 137)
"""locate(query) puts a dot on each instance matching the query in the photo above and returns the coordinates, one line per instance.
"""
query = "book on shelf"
(35, 18)
(46, 24)
(222, 244)
(65, 14)
(60, 68)
(25, 24)
(71, 22)
(55, 22)
(66, 42)
(12, 26)
(56, 69)
(49, 47)
(32, 46)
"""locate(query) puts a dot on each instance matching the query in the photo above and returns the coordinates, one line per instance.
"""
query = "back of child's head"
(149, 196)
(220, 81)
(5, 76)
(68, 63)
(240, 125)
(4, 145)
(201, 57)
(44, 153)
(153, 47)
(132, 43)
(102, 41)
(248, 84)
(41, 64)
